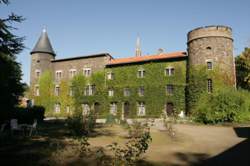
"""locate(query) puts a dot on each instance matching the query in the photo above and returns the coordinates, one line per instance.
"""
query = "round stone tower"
(212, 46)
(41, 57)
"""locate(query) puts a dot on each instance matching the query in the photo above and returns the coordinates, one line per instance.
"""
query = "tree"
(243, 69)
(11, 87)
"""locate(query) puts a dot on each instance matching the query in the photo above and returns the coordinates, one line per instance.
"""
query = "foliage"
(27, 115)
(11, 87)
(154, 83)
(225, 105)
(110, 119)
(46, 96)
(136, 129)
(133, 149)
(243, 69)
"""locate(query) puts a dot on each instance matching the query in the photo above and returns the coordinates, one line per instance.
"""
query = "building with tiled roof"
(140, 85)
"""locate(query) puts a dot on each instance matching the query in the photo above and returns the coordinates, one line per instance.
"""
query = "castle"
(141, 86)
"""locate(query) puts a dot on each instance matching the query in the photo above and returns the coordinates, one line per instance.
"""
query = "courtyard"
(192, 144)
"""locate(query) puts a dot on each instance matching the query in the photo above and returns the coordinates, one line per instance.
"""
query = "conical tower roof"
(43, 45)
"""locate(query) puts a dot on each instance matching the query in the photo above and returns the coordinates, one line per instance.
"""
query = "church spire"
(43, 44)
(138, 47)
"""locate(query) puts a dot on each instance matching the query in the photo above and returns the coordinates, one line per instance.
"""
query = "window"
(169, 71)
(38, 73)
(141, 91)
(85, 109)
(110, 76)
(170, 89)
(141, 73)
(126, 92)
(89, 90)
(57, 90)
(37, 92)
(209, 86)
(141, 109)
(57, 108)
(68, 109)
(111, 92)
(87, 72)
(70, 91)
(209, 65)
(113, 108)
(72, 73)
(58, 75)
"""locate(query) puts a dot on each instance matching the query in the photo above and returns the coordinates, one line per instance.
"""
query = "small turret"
(41, 57)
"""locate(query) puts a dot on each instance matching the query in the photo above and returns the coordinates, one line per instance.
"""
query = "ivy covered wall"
(154, 83)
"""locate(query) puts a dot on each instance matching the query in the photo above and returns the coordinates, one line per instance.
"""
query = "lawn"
(192, 144)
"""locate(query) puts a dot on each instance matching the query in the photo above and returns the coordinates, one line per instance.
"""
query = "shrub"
(110, 119)
(226, 105)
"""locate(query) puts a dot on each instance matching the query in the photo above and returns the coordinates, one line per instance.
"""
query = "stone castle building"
(141, 85)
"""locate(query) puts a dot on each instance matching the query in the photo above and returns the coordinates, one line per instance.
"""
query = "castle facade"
(140, 86)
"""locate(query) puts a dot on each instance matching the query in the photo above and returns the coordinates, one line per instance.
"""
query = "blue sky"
(83, 27)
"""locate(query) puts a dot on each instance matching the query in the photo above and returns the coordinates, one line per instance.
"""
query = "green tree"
(11, 87)
(243, 69)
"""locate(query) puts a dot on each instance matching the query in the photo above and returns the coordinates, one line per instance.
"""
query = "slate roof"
(43, 45)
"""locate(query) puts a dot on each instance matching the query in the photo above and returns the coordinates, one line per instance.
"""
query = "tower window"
(87, 72)
(141, 73)
(38, 73)
(209, 86)
(170, 89)
(209, 65)
(208, 48)
(37, 92)
(141, 91)
(169, 71)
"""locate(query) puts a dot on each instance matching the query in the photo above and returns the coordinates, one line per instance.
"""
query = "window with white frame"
(141, 91)
(37, 91)
(141, 109)
(169, 71)
(113, 108)
(87, 72)
(170, 89)
(68, 109)
(141, 73)
(72, 73)
(110, 76)
(85, 109)
(111, 92)
(57, 108)
(58, 74)
(57, 90)
(70, 91)
(89, 90)
(38, 73)
(126, 92)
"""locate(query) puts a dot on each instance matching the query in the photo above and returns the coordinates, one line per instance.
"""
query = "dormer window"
(169, 71)
(141, 73)
(87, 72)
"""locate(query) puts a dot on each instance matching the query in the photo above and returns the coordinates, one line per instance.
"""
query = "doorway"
(170, 109)
(126, 109)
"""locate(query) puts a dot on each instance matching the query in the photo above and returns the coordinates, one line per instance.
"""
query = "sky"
(83, 27)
